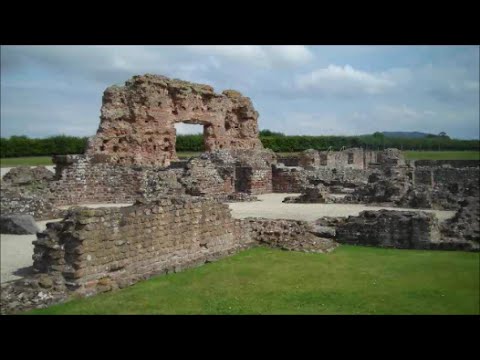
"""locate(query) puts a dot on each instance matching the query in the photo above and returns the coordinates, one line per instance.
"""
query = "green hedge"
(17, 146)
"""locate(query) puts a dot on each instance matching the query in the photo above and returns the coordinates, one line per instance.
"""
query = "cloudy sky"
(311, 90)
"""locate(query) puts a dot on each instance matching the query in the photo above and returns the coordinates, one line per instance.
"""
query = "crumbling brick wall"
(444, 176)
(80, 180)
(354, 158)
(138, 120)
(98, 250)
(387, 228)
(447, 185)
(293, 179)
(287, 234)
(253, 180)
(289, 160)
(404, 230)
(288, 179)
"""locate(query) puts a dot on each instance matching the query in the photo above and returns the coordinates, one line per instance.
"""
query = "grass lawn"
(26, 161)
(188, 154)
(442, 155)
(350, 280)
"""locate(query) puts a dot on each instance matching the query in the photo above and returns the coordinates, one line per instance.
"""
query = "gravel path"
(17, 250)
(271, 207)
(16, 253)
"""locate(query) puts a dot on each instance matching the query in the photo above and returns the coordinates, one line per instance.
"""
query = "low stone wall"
(203, 176)
(98, 250)
(80, 180)
(465, 225)
(398, 229)
(289, 160)
(288, 179)
(38, 204)
(252, 180)
(287, 234)
(294, 179)
(340, 176)
(312, 194)
(446, 186)
(444, 176)
(86, 179)
(386, 228)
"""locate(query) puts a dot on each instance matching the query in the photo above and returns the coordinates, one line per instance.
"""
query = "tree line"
(17, 146)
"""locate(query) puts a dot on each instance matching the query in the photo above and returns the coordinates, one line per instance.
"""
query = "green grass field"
(410, 155)
(26, 161)
(187, 154)
(442, 155)
(350, 280)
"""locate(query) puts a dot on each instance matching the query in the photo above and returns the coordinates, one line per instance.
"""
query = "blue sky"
(310, 90)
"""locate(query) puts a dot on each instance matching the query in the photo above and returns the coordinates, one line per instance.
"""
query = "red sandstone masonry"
(99, 250)
(137, 120)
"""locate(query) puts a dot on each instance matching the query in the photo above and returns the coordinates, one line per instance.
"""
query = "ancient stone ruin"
(403, 230)
(179, 217)
(137, 120)
(97, 250)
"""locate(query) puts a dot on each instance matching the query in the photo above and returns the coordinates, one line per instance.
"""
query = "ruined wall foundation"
(137, 120)
(98, 250)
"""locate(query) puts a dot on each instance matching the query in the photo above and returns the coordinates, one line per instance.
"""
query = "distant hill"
(405, 134)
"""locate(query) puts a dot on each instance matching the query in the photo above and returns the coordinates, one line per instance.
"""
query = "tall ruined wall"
(99, 250)
(137, 120)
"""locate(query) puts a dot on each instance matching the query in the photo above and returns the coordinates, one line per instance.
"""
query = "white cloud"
(398, 112)
(317, 123)
(294, 91)
(471, 85)
(289, 54)
(256, 55)
(344, 81)
(183, 128)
